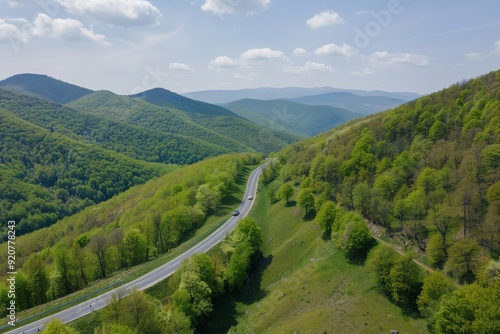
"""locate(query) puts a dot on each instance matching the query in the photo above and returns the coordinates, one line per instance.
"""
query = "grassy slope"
(305, 284)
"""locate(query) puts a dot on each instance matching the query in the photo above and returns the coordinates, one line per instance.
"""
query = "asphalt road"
(156, 275)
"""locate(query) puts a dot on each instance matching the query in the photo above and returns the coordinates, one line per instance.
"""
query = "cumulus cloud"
(364, 72)
(66, 29)
(11, 30)
(262, 54)
(384, 58)
(300, 52)
(247, 7)
(331, 49)
(324, 19)
(308, 67)
(247, 58)
(474, 56)
(115, 12)
(180, 67)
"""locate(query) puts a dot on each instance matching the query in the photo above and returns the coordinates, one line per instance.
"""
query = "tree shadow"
(290, 204)
(309, 216)
(225, 313)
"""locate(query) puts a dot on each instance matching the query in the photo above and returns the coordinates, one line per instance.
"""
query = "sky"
(129, 46)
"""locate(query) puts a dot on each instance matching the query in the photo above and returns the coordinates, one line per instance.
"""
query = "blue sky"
(127, 46)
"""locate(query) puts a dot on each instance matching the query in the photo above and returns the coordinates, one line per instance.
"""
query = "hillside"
(360, 104)
(136, 226)
(169, 120)
(46, 176)
(271, 93)
(292, 117)
(218, 119)
(45, 87)
(426, 176)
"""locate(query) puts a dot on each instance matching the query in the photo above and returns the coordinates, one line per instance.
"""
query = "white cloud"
(11, 30)
(300, 52)
(262, 54)
(180, 67)
(331, 49)
(474, 56)
(247, 7)
(384, 58)
(223, 62)
(66, 29)
(364, 72)
(308, 67)
(497, 46)
(115, 12)
(324, 19)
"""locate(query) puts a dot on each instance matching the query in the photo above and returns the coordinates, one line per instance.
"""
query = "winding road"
(156, 275)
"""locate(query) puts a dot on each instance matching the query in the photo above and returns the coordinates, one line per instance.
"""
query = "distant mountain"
(357, 103)
(296, 118)
(165, 98)
(270, 93)
(45, 87)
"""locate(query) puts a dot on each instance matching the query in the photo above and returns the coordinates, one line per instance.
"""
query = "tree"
(285, 192)
(381, 259)
(140, 314)
(435, 286)
(355, 239)
(136, 246)
(464, 259)
(99, 246)
(207, 198)
(305, 199)
(405, 282)
(38, 278)
(237, 269)
(251, 232)
(361, 198)
(63, 264)
(326, 217)
(455, 314)
(55, 326)
(436, 251)
(113, 312)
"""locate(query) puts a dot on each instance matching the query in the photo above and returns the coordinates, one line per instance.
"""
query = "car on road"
(236, 212)
(250, 197)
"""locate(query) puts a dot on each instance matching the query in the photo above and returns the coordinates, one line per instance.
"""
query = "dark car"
(236, 212)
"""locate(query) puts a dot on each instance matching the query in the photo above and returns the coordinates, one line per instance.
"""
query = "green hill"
(292, 117)
(220, 120)
(134, 141)
(46, 176)
(425, 176)
(45, 87)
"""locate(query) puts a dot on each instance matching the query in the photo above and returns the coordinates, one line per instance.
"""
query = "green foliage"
(435, 286)
(285, 192)
(55, 326)
(353, 236)
(237, 268)
(305, 199)
(326, 217)
(406, 283)
(465, 259)
(436, 251)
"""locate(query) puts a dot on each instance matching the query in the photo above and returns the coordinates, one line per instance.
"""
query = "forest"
(131, 228)
(428, 173)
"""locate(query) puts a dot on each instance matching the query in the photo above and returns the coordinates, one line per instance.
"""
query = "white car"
(250, 197)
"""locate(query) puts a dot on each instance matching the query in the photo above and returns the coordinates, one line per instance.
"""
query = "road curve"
(159, 273)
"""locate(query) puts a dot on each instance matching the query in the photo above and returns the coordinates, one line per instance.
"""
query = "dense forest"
(46, 176)
(428, 173)
(127, 230)
(134, 141)
(233, 133)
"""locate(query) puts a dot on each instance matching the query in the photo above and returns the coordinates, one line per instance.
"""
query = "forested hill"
(46, 175)
(229, 133)
(45, 87)
(429, 172)
(439, 154)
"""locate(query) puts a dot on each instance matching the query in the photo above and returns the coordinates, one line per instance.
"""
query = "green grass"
(305, 284)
